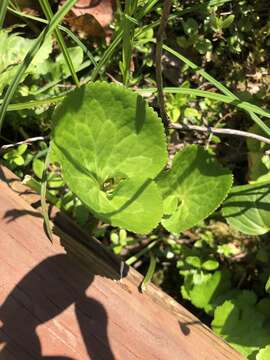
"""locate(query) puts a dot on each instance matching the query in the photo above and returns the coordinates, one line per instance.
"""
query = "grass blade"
(36, 186)
(43, 192)
(150, 273)
(128, 27)
(30, 55)
(49, 14)
(147, 248)
(3, 11)
(218, 85)
(146, 9)
(243, 105)
(35, 103)
(200, 71)
(53, 83)
(106, 55)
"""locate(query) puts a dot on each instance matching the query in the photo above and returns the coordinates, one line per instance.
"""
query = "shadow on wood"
(66, 301)
(45, 292)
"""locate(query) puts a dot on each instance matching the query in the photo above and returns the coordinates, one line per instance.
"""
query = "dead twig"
(27, 141)
(221, 131)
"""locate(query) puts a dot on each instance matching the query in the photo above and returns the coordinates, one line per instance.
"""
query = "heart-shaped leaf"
(192, 189)
(247, 208)
(111, 145)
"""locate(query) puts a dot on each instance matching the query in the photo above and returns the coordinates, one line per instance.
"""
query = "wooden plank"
(65, 301)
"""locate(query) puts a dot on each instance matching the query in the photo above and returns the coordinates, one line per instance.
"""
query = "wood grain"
(65, 301)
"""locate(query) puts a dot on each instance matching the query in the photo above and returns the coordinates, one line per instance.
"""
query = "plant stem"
(150, 272)
(43, 192)
(3, 11)
(159, 45)
(135, 257)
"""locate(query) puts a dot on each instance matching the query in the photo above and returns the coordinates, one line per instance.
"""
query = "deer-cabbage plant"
(112, 149)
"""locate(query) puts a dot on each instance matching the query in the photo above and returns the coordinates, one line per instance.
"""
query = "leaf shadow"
(81, 168)
(260, 191)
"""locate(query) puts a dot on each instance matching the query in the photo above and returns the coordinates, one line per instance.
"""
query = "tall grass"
(3, 11)
(61, 42)
(56, 19)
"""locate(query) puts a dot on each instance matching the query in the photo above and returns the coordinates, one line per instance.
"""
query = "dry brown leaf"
(102, 10)
(86, 25)
(91, 17)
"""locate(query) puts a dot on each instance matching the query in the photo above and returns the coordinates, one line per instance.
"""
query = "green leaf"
(194, 187)
(111, 145)
(210, 265)
(16, 47)
(203, 295)
(203, 45)
(247, 208)
(190, 27)
(76, 53)
(228, 21)
(38, 167)
(10, 154)
(267, 286)
(245, 298)
(114, 238)
(216, 23)
(240, 324)
(258, 162)
(194, 261)
(123, 236)
(18, 160)
(217, 3)
(21, 149)
(192, 114)
(263, 307)
(222, 312)
(264, 354)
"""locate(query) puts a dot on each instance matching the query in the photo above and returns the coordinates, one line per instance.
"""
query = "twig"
(226, 132)
(27, 141)
(159, 79)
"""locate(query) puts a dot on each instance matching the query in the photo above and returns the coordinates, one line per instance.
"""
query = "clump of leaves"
(247, 208)
(112, 149)
(16, 47)
(245, 324)
(16, 157)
